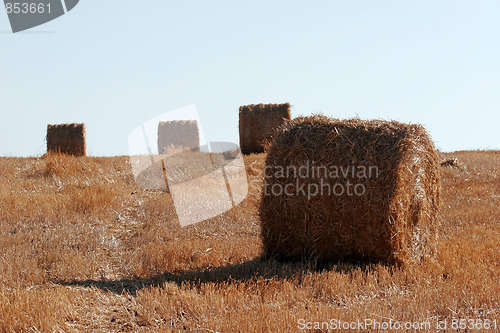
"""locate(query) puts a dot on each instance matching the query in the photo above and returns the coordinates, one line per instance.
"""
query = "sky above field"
(116, 64)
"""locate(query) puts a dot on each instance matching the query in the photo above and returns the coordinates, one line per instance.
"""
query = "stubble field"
(83, 248)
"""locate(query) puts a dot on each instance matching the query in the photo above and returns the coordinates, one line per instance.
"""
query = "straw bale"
(66, 139)
(178, 134)
(258, 124)
(392, 214)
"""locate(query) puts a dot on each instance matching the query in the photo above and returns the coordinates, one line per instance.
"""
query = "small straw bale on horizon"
(178, 134)
(258, 124)
(66, 139)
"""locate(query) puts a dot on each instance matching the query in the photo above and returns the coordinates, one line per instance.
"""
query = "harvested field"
(83, 248)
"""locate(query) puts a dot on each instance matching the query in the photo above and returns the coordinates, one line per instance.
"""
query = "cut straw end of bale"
(66, 139)
(350, 190)
(258, 124)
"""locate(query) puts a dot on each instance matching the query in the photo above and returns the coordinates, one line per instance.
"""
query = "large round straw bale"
(66, 139)
(258, 123)
(178, 134)
(350, 190)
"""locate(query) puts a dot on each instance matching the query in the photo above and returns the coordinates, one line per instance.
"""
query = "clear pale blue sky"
(115, 64)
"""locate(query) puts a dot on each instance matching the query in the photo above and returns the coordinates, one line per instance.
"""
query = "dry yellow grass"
(82, 249)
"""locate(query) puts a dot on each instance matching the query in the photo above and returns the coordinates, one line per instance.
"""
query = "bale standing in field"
(175, 134)
(66, 139)
(258, 123)
(353, 189)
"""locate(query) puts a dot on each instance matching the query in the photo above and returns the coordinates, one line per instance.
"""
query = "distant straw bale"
(350, 190)
(66, 139)
(455, 164)
(258, 124)
(178, 134)
(450, 163)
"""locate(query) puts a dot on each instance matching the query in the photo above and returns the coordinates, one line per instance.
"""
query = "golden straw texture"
(391, 213)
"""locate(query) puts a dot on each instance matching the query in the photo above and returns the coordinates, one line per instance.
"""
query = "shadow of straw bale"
(256, 269)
